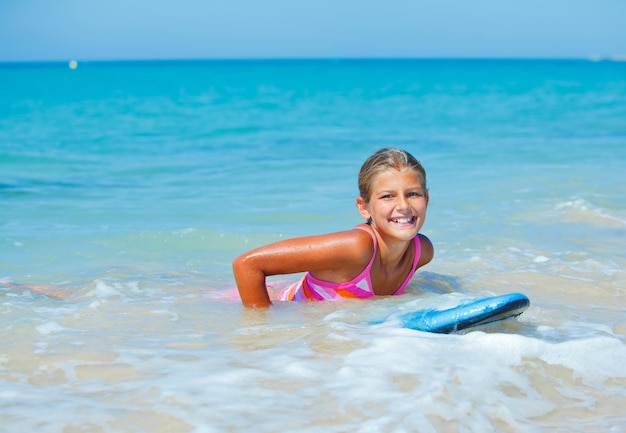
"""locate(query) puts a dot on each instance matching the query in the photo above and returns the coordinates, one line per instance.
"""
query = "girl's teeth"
(403, 220)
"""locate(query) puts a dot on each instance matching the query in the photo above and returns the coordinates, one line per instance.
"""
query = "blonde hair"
(383, 160)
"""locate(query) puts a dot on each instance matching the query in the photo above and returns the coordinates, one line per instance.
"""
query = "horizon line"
(78, 60)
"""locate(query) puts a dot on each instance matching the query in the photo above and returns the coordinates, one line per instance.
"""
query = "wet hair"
(383, 160)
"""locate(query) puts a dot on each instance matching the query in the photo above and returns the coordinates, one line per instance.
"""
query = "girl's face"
(398, 203)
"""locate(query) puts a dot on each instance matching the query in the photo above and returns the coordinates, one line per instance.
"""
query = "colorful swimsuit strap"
(416, 258)
(368, 268)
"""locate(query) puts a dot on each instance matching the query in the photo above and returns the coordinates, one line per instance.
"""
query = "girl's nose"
(402, 203)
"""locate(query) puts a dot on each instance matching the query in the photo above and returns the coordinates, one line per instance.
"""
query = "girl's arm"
(342, 254)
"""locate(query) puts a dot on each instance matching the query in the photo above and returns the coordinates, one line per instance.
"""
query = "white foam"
(104, 290)
(49, 328)
(594, 360)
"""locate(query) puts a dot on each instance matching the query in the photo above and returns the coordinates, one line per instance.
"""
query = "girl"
(378, 257)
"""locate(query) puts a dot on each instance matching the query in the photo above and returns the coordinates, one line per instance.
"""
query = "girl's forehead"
(392, 175)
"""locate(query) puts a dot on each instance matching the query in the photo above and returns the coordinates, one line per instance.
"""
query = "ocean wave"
(581, 211)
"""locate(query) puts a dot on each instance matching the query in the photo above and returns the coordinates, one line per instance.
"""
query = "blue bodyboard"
(467, 315)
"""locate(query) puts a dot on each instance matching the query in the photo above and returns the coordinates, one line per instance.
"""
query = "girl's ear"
(361, 205)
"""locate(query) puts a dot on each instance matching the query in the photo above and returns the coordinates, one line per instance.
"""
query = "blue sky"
(35, 30)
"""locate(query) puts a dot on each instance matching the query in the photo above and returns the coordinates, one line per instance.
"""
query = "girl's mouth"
(403, 220)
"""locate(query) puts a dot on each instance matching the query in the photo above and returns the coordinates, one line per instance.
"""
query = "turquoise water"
(127, 189)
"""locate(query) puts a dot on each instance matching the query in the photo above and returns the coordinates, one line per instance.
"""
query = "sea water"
(127, 189)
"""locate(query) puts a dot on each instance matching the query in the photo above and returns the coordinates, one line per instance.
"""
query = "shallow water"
(127, 190)
(130, 357)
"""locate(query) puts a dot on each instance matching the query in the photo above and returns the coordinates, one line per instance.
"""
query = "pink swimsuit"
(311, 288)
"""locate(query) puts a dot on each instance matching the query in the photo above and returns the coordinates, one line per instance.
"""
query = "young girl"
(375, 258)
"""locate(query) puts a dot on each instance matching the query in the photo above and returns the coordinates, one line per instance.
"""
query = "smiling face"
(397, 205)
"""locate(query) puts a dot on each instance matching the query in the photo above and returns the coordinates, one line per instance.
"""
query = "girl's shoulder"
(365, 237)
(348, 245)
(355, 246)
(342, 255)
